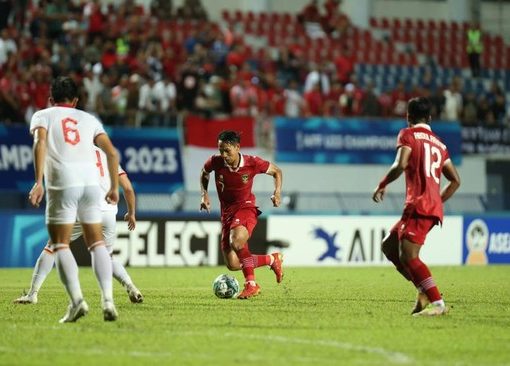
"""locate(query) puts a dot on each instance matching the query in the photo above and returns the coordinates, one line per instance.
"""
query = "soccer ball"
(225, 286)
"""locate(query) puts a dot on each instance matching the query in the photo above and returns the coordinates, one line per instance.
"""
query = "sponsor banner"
(349, 140)
(177, 242)
(187, 241)
(485, 140)
(151, 157)
(21, 239)
(486, 240)
(356, 240)
(16, 160)
(204, 132)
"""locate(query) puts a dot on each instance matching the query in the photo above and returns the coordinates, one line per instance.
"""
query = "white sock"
(68, 271)
(102, 265)
(42, 268)
(439, 302)
(120, 274)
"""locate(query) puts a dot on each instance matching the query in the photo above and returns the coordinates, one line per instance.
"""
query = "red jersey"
(423, 171)
(234, 185)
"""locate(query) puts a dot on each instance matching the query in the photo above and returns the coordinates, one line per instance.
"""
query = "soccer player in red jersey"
(423, 157)
(234, 173)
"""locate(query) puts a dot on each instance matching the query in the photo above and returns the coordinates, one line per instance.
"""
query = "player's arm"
(276, 173)
(450, 172)
(104, 143)
(396, 169)
(129, 197)
(205, 203)
(39, 150)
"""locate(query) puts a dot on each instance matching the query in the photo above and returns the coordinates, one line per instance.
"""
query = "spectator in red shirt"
(332, 102)
(350, 100)
(314, 101)
(236, 56)
(399, 98)
(243, 98)
(344, 65)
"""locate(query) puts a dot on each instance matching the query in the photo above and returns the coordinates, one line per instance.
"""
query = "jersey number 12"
(432, 161)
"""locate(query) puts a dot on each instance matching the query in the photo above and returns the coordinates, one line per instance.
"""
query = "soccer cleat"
(27, 299)
(421, 303)
(109, 312)
(75, 312)
(249, 291)
(276, 267)
(433, 310)
(135, 295)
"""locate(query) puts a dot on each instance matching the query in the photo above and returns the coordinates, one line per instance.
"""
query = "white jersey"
(70, 158)
(104, 179)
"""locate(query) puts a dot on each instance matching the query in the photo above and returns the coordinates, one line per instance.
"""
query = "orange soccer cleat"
(276, 267)
(249, 291)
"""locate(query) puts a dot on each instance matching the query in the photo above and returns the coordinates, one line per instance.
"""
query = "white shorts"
(66, 206)
(109, 223)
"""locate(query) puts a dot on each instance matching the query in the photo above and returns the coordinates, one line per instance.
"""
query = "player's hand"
(205, 204)
(277, 199)
(378, 195)
(112, 197)
(36, 195)
(131, 220)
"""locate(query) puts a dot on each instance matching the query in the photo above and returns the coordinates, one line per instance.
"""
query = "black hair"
(63, 89)
(229, 137)
(418, 110)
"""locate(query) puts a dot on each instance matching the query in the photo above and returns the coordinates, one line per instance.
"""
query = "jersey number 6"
(71, 133)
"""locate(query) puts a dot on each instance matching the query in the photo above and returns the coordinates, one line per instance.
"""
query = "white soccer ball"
(225, 286)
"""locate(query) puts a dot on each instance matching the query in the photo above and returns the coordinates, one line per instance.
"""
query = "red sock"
(261, 260)
(423, 278)
(247, 263)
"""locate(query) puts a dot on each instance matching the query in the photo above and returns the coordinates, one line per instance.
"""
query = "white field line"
(390, 356)
(395, 357)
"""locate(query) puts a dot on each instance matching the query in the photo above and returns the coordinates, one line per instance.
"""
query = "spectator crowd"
(141, 66)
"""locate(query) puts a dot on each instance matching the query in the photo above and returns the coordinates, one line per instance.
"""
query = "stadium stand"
(147, 67)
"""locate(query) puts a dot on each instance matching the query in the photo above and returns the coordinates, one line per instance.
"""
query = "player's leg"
(90, 216)
(420, 273)
(42, 268)
(390, 248)
(61, 210)
(248, 218)
(118, 270)
(239, 243)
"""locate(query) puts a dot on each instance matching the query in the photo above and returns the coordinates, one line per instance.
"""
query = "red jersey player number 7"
(234, 173)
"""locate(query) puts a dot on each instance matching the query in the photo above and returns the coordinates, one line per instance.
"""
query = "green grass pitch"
(317, 316)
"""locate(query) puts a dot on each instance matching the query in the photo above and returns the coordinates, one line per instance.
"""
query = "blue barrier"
(152, 158)
(350, 140)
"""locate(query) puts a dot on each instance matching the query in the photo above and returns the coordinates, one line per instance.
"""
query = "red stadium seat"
(287, 18)
(226, 16)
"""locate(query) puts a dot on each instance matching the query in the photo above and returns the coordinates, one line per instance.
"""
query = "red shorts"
(414, 227)
(246, 217)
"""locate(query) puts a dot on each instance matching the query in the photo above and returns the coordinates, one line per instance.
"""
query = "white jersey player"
(45, 261)
(64, 155)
